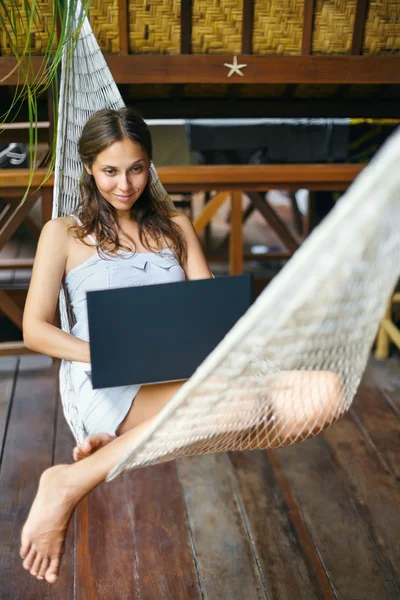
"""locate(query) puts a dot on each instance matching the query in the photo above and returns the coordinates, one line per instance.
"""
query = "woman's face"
(121, 172)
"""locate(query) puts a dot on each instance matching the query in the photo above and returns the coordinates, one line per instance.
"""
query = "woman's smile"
(124, 197)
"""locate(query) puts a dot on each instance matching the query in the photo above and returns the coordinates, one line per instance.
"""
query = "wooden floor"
(317, 520)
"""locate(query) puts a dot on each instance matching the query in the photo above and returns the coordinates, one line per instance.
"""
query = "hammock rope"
(291, 366)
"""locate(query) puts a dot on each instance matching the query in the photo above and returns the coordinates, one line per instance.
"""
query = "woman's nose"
(125, 183)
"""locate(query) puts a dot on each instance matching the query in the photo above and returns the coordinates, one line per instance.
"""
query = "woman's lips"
(124, 197)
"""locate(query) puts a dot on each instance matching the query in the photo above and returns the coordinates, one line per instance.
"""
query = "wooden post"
(247, 26)
(383, 340)
(186, 26)
(123, 23)
(308, 20)
(47, 204)
(236, 237)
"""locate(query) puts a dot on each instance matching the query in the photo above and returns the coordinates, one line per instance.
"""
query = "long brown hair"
(100, 218)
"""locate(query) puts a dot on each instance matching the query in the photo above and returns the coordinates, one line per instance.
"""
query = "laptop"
(162, 332)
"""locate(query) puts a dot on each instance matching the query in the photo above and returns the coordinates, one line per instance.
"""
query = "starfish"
(234, 67)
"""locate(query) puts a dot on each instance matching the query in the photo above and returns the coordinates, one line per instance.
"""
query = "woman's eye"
(109, 171)
(137, 169)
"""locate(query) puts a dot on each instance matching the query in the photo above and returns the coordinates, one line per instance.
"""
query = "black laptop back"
(163, 332)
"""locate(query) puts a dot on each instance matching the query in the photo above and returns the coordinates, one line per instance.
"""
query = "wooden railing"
(228, 182)
(218, 177)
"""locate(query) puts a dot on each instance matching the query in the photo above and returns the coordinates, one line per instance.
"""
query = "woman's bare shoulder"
(180, 218)
(59, 226)
(56, 232)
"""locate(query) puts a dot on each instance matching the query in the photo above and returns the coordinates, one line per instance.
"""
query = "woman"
(121, 237)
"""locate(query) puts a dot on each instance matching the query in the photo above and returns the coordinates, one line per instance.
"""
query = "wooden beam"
(247, 26)
(260, 69)
(382, 339)
(308, 20)
(204, 108)
(236, 236)
(47, 204)
(16, 263)
(259, 177)
(274, 220)
(10, 222)
(209, 211)
(199, 68)
(392, 331)
(359, 26)
(123, 24)
(19, 131)
(223, 177)
(14, 349)
(186, 26)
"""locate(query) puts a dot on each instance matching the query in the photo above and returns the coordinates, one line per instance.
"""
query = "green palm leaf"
(24, 21)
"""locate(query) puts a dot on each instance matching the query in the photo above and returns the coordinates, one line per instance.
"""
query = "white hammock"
(293, 363)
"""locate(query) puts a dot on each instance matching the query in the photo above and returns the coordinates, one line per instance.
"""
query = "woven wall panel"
(278, 26)
(333, 26)
(104, 22)
(39, 30)
(382, 29)
(154, 26)
(217, 26)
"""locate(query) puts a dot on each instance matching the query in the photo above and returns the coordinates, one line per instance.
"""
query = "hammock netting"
(292, 365)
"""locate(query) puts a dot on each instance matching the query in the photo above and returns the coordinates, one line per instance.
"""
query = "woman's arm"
(39, 332)
(195, 266)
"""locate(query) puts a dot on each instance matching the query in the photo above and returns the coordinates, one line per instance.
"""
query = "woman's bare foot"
(42, 539)
(91, 444)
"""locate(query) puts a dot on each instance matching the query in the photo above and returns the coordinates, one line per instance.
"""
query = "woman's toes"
(91, 444)
(24, 551)
(36, 565)
(43, 568)
(52, 571)
(29, 560)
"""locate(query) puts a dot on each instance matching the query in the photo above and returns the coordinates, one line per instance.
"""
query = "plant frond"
(21, 20)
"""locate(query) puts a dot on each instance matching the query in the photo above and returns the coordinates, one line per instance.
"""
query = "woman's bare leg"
(148, 402)
(61, 488)
(301, 403)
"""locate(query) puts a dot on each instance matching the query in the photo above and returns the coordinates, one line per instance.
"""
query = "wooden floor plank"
(386, 376)
(163, 553)
(227, 565)
(287, 556)
(28, 452)
(105, 552)
(350, 557)
(375, 492)
(380, 423)
(8, 373)
(64, 442)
